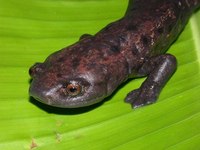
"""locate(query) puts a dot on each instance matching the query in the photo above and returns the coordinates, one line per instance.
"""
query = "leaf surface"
(31, 30)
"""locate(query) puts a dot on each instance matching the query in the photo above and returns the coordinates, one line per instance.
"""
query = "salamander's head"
(66, 83)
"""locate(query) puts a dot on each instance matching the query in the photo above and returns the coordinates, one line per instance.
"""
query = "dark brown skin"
(134, 46)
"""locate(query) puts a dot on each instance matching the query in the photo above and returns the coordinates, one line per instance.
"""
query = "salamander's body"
(134, 46)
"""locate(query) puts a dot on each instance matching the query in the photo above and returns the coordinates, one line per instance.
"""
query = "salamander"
(91, 69)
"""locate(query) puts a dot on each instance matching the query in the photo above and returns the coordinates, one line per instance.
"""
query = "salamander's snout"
(44, 95)
(37, 68)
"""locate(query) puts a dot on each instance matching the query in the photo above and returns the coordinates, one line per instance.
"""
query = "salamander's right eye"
(36, 68)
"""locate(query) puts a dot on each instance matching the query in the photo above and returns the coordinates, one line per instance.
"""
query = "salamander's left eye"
(73, 89)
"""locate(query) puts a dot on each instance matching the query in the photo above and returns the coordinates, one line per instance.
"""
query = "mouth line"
(50, 98)
(63, 104)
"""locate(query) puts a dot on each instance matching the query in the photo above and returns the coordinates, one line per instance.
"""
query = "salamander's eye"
(73, 89)
(35, 69)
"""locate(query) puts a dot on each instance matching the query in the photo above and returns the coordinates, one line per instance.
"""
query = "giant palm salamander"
(134, 46)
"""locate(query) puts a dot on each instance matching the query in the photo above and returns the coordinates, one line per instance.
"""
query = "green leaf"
(31, 30)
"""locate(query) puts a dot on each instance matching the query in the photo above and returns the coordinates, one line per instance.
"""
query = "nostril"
(36, 68)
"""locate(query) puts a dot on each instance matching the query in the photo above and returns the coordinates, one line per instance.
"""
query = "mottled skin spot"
(160, 30)
(133, 46)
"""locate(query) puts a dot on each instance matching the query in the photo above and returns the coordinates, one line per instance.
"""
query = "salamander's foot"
(158, 70)
(140, 97)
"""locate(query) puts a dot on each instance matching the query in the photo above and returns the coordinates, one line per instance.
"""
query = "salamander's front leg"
(158, 70)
